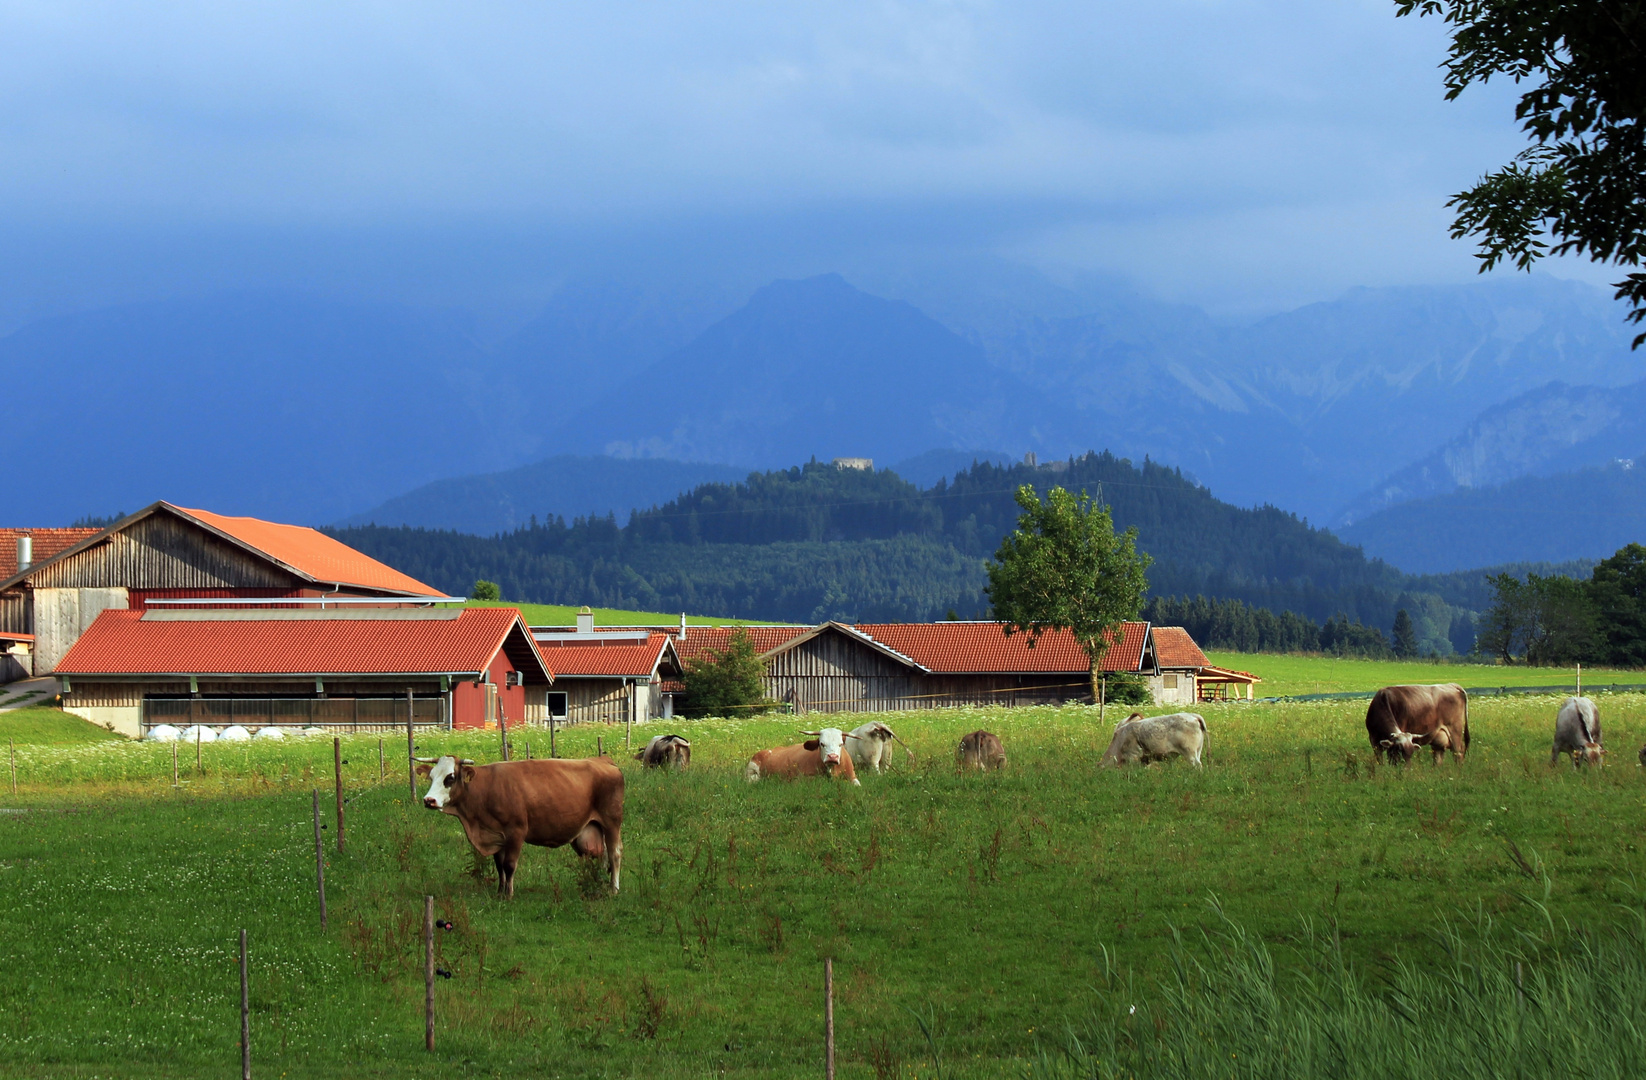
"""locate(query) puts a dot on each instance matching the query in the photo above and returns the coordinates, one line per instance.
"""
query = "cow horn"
(803, 731)
(426, 760)
(849, 735)
(466, 761)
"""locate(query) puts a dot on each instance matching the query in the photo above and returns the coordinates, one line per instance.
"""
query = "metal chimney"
(682, 626)
(25, 552)
(585, 620)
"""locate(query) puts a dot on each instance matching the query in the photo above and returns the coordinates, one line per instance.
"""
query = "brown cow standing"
(981, 750)
(820, 755)
(509, 804)
(1402, 718)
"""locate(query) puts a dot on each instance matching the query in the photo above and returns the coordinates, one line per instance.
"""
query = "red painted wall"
(469, 700)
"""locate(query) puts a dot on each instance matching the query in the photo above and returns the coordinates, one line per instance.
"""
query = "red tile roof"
(632, 659)
(47, 542)
(311, 553)
(1174, 648)
(700, 639)
(957, 647)
(150, 643)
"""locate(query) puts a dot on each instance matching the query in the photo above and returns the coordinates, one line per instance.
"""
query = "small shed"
(609, 675)
(1178, 664)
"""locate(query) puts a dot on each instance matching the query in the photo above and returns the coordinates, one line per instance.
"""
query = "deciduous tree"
(1064, 568)
(1582, 182)
(726, 682)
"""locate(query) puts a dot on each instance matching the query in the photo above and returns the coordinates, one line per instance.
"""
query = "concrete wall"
(125, 719)
(1173, 688)
(62, 615)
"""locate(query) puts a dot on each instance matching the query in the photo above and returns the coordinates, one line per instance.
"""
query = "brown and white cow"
(666, 751)
(1577, 732)
(981, 750)
(508, 804)
(1402, 718)
(821, 755)
(871, 746)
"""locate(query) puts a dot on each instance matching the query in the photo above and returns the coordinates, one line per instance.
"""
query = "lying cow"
(820, 755)
(1577, 732)
(549, 803)
(871, 746)
(1155, 738)
(1402, 718)
(981, 750)
(665, 751)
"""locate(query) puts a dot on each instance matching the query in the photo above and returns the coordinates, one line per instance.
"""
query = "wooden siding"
(595, 701)
(16, 613)
(164, 552)
(834, 673)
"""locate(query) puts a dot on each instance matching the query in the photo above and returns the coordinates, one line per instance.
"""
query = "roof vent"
(585, 620)
(25, 552)
(682, 626)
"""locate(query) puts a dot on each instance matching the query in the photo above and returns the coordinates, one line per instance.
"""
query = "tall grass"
(1486, 1001)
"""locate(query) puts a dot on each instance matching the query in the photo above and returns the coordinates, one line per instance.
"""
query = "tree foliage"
(485, 590)
(1582, 182)
(1618, 589)
(726, 682)
(1405, 638)
(1064, 568)
(1542, 620)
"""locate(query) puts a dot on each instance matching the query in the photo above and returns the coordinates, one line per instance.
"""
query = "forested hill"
(817, 541)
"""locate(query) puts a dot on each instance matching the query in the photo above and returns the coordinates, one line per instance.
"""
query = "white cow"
(871, 746)
(1154, 738)
(1577, 732)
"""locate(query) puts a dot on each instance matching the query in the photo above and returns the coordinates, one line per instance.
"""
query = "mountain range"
(315, 410)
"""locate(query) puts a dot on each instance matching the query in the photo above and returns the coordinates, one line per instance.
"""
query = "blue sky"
(1245, 156)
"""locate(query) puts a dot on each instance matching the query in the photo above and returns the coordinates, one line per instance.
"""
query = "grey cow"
(666, 752)
(871, 748)
(1577, 732)
(1154, 738)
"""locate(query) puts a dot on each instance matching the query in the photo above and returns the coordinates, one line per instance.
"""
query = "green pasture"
(979, 919)
(566, 615)
(1287, 675)
(40, 725)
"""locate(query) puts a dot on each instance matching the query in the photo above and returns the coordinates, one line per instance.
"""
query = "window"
(1170, 682)
(556, 702)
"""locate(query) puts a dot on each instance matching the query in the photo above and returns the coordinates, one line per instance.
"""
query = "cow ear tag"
(468, 773)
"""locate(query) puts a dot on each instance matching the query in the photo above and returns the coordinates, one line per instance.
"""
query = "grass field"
(564, 615)
(50, 727)
(1287, 675)
(989, 906)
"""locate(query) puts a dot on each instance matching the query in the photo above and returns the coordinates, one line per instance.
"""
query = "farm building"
(55, 582)
(354, 669)
(606, 676)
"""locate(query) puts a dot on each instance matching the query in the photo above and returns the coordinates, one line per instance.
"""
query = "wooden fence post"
(12, 744)
(411, 750)
(199, 730)
(503, 728)
(380, 772)
(337, 773)
(174, 763)
(319, 861)
(553, 753)
(428, 973)
(599, 746)
(245, 1013)
(828, 1018)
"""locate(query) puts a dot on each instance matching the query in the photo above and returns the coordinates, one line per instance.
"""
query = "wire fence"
(1477, 691)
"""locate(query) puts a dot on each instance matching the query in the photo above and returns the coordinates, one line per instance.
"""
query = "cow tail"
(1465, 719)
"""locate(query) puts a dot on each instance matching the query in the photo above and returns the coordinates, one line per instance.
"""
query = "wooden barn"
(165, 552)
(875, 667)
(611, 675)
(355, 669)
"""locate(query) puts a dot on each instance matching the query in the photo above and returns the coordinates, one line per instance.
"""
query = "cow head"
(828, 742)
(1590, 753)
(447, 775)
(1399, 746)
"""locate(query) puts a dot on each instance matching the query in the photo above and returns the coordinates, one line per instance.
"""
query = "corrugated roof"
(47, 542)
(310, 552)
(1174, 648)
(966, 647)
(125, 643)
(631, 659)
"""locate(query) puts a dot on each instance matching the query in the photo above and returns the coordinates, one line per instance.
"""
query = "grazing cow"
(666, 751)
(508, 804)
(981, 750)
(871, 747)
(1577, 732)
(1155, 738)
(1402, 718)
(821, 755)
